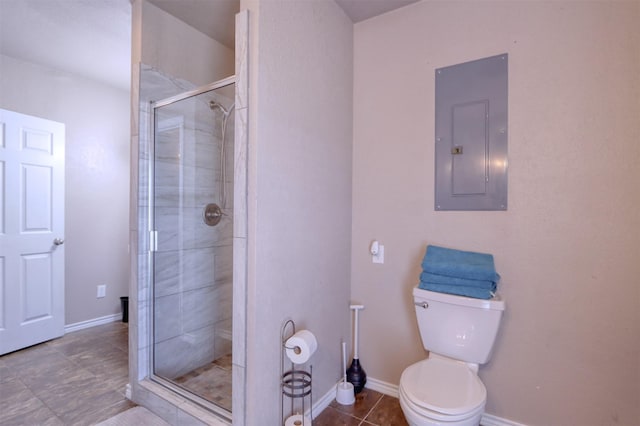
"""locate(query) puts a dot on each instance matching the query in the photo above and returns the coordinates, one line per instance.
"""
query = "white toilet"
(459, 333)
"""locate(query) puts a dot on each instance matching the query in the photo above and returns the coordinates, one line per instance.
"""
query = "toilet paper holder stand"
(295, 383)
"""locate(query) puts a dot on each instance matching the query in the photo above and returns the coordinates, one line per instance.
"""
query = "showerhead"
(213, 105)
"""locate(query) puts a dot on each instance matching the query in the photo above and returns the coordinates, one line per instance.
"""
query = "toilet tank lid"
(495, 303)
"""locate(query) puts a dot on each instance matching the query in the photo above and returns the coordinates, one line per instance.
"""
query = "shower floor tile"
(211, 382)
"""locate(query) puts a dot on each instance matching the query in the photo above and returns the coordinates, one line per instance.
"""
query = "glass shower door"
(192, 201)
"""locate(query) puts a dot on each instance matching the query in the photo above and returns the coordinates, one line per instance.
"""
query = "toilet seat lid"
(444, 386)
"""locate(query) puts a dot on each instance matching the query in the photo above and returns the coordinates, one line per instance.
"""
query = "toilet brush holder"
(345, 394)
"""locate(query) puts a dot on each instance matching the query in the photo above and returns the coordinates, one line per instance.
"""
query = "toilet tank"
(459, 327)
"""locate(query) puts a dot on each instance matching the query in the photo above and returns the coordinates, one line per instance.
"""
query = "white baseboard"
(382, 387)
(70, 328)
(323, 402)
(491, 420)
(392, 390)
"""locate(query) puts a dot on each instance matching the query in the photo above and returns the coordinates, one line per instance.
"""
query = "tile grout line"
(44, 404)
(74, 364)
(57, 350)
(41, 401)
(370, 411)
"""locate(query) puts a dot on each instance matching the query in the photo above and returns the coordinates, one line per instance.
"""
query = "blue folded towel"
(460, 264)
(455, 281)
(459, 290)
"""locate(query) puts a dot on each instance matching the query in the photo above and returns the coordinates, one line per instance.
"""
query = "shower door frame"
(212, 407)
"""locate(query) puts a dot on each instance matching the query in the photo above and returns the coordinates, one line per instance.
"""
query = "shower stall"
(191, 243)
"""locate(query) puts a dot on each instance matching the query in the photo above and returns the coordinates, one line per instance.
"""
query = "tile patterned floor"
(78, 379)
(370, 409)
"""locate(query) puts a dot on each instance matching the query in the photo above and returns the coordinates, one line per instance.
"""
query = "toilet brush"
(355, 373)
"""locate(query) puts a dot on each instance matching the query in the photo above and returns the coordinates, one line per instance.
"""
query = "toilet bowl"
(440, 391)
(459, 333)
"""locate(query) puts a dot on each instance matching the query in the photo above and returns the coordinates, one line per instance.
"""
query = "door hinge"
(153, 241)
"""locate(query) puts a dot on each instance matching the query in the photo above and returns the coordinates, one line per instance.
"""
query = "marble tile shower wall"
(193, 263)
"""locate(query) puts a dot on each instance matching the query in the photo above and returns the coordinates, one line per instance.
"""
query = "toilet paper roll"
(297, 420)
(301, 346)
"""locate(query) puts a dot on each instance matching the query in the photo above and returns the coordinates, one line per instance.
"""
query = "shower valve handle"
(212, 214)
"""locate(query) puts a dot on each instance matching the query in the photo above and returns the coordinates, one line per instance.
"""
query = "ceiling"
(359, 10)
(215, 18)
(92, 38)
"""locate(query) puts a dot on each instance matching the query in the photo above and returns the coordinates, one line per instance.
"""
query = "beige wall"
(299, 201)
(568, 248)
(97, 177)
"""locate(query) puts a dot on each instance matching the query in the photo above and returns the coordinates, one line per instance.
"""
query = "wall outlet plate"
(102, 291)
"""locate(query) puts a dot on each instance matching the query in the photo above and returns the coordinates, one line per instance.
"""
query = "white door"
(31, 230)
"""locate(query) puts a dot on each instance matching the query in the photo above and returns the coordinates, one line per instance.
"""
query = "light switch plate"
(378, 258)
